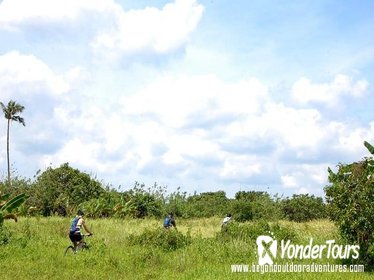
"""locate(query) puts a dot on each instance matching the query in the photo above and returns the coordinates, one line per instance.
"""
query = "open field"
(35, 251)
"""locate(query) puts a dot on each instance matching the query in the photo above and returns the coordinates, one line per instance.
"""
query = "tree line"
(64, 190)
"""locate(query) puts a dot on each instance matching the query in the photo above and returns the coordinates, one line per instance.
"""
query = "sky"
(204, 95)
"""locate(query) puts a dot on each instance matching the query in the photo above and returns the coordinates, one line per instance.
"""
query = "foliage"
(8, 205)
(242, 210)
(176, 203)
(64, 189)
(109, 204)
(61, 190)
(369, 147)
(303, 208)
(254, 205)
(350, 197)
(207, 204)
(145, 202)
(101, 207)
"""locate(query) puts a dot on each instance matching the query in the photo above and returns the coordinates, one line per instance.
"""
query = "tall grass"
(131, 249)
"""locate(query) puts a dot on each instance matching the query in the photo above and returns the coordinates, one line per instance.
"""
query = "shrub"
(303, 208)
(145, 202)
(207, 204)
(254, 205)
(242, 210)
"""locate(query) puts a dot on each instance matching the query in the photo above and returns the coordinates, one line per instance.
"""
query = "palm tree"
(10, 113)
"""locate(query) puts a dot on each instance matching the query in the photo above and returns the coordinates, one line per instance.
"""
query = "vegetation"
(304, 207)
(254, 205)
(11, 112)
(7, 205)
(63, 190)
(350, 197)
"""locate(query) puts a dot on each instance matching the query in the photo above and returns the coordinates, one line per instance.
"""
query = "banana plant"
(8, 205)
(369, 147)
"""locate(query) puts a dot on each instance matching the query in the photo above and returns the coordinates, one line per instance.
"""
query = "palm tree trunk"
(7, 151)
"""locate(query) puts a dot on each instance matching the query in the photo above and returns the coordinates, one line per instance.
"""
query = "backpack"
(167, 222)
(74, 223)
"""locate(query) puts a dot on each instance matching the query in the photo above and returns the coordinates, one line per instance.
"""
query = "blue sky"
(201, 95)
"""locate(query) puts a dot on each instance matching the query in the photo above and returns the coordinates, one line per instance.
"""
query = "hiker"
(170, 221)
(226, 220)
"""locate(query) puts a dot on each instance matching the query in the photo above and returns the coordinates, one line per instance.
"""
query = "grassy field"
(35, 251)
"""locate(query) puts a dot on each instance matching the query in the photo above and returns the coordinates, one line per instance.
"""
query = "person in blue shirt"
(170, 221)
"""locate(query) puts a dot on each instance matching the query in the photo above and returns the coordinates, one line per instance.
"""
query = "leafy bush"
(60, 190)
(168, 240)
(145, 202)
(242, 210)
(254, 205)
(303, 208)
(350, 197)
(176, 203)
(207, 204)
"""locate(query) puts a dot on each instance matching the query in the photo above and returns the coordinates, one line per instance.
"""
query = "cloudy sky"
(205, 95)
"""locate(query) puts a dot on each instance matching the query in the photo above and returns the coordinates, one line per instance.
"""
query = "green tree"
(254, 205)
(304, 207)
(350, 200)
(61, 190)
(11, 112)
(176, 203)
(207, 204)
(144, 202)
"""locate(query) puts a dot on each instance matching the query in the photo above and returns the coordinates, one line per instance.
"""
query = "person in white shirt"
(226, 220)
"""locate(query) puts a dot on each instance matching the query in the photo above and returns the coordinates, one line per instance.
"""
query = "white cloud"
(25, 74)
(289, 181)
(177, 101)
(236, 167)
(295, 127)
(151, 29)
(15, 14)
(180, 122)
(304, 91)
(114, 31)
(304, 178)
(196, 124)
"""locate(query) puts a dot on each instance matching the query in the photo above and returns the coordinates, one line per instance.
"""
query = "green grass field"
(35, 251)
